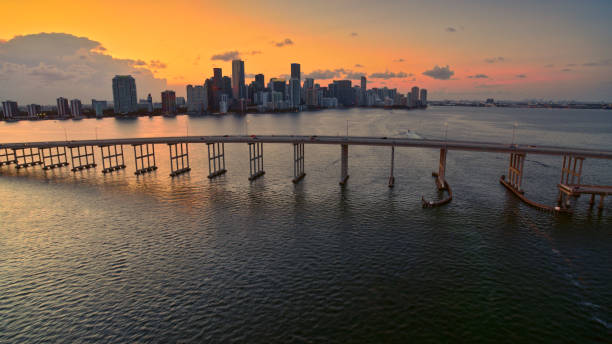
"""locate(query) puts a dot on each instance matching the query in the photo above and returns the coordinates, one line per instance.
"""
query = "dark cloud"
(440, 73)
(350, 75)
(59, 64)
(255, 52)
(399, 60)
(324, 74)
(389, 75)
(226, 56)
(489, 86)
(566, 70)
(478, 76)
(495, 59)
(358, 66)
(286, 41)
(353, 34)
(601, 63)
(157, 64)
(450, 29)
(521, 76)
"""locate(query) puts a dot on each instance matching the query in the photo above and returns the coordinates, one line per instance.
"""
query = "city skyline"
(468, 50)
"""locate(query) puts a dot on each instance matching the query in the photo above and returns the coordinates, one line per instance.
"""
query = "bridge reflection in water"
(53, 154)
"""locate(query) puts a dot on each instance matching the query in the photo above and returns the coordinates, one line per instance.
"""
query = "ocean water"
(87, 257)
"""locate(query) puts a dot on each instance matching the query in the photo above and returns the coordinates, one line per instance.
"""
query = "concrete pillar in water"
(344, 165)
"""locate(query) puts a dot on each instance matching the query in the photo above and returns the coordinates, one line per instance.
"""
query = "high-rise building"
(278, 85)
(150, 102)
(168, 102)
(227, 87)
(124, 94)
(364, 84)
(197, 100)
(33, 110)
(414, 96)
(294, 92)
(295, 72)
(423, 97)
(238, 87)
(10, 109)
(76, 108)
(343, 91)
(98, 106)
(63, 110)
(260, 82)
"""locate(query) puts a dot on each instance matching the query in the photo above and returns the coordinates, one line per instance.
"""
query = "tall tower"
(238, 87)
(62, 107)
(364, 83)
(414, 100)
(124, 94)
(295, 72)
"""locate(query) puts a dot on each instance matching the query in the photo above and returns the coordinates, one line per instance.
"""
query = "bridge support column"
(216, 159)
(298, 162)
(53, 157)
(179, 158)
(7, 157)
(515, 171)
(391, 177)
(601, 202)
(26, 157)
(255, 160)
(144, 158)
(441, 175)
(82, 157)
(112, 158)
(344, 165)
(571, 172)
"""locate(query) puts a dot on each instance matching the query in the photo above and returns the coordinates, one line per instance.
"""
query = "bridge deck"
(586, 189)
(492, 147)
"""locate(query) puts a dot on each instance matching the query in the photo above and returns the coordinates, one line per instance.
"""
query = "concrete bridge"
(54, 154)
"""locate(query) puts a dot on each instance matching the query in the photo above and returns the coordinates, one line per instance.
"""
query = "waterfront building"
(328, 102)
(168, 102)
(295, 72)
(34, 110)
(294, 92)
(260, 83)
(278, 85)
(238, 87)
(197, 100)
(10, 109)
(343, 92)
(124, 94)
(76, 108)
(98, 107)
(223, 103)
(364, 83)
(423, 97)
(414, 96)
(150, 101)
(180, 101)
(63, 110)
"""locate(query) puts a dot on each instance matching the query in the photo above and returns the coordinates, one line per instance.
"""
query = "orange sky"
(394, 36)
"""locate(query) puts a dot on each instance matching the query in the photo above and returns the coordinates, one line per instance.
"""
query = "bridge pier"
(391, 177)
(144, 154)
(344, 164)
(571, 172)
(179, 158)
(216, 159)
(82, 159)
(53, 157)
(441, 176)
(26, 157)
(112, 159)
(7, 157)
(298, 162)
(515, 171)
(255, 160)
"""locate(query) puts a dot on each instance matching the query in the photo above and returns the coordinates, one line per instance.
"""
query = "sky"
(461, 49)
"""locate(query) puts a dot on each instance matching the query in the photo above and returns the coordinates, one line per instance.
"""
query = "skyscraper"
(168, 102)
(343, 91)
(10, 109)
(124, 94)
(414, 99)
(76, 108)
(423, 99)
(364, 84)
(98, 106)
(62, 107)
(260, 82)
(295, 72)
(294, 92)
(238, 87)
(33, 110)
(197, 100)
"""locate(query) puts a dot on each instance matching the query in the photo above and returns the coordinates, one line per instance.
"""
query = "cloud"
(521, 76)
(570, 65)
(450, 29)
(495, 59)
(350, 75)
(478, 76)
(389, 75)
(353, 34)
(226, 56)
(60, 64)
(286, 41)
(324, 74)
(358, 66)
(157, 64)
(398, 60)
(440, 73)
(254, 52)
(550, 65)
(601, 63)
(566, 70)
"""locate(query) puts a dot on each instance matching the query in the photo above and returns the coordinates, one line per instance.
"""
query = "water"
(88, 257)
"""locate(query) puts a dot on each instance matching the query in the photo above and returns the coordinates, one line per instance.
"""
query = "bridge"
(54, 154)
